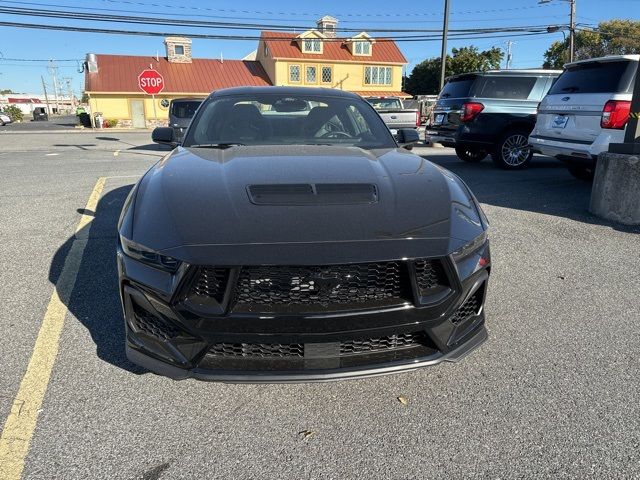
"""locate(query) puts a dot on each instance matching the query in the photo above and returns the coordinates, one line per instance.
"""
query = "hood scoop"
(313, 194)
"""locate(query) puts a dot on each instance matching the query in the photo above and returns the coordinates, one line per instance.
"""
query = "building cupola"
(327, 25)
(178, 49)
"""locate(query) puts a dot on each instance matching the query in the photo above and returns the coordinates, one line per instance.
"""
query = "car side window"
(508, 87)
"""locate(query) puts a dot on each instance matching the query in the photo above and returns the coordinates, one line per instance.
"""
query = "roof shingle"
(284, 45)
(119, 73)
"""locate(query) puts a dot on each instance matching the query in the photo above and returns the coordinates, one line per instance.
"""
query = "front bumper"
(176, 373)
(179, 342)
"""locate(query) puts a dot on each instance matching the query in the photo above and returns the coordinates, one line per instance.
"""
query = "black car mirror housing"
(407, 137)
(164, 136)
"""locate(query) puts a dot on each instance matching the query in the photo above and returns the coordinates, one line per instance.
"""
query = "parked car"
(490, 113)
(4, 119)
(277, 248)
(394, 114)
(181, 111)
(585, 110)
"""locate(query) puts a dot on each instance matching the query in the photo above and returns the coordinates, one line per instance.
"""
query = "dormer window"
(311, 45)
(179, 49)
(361, 47)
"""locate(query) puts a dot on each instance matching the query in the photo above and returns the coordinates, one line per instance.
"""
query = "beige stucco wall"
(346, 76)
(118, 106)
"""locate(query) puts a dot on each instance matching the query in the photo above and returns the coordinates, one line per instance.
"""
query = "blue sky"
(20, 43)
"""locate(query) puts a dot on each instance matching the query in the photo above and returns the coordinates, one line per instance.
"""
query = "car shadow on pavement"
(544, 187)
(95, 301)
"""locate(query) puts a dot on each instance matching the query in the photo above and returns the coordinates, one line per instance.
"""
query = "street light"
(572, 25)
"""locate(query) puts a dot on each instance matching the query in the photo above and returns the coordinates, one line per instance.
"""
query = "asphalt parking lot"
(55, 123)
(553, 393)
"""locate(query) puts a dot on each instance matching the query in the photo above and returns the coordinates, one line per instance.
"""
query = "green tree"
(613, 37)
(425, 76)
(6, 91)
(14, 112)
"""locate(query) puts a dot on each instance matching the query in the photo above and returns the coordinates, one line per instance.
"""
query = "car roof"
(188, 99)
(321, 92)
(511, 71)
(608, 58)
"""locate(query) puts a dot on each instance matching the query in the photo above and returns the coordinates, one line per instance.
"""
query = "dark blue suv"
(490, 113)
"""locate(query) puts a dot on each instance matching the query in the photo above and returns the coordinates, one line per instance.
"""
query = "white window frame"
(322, 70)
(363, 46)
(314, 45)
(291, 66)
(315, 74)
(383, 75)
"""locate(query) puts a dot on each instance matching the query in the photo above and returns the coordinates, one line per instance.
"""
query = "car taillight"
(470, 110)
(417, 118)
(615, 114)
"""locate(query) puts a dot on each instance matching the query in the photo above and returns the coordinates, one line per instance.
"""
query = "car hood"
(199, 205)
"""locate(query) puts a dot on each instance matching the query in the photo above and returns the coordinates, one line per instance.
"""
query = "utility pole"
(572, 29)
(572, 26)
(509, 54)
(72, 100)
(46, 97)
(443, 56)
(54, 75)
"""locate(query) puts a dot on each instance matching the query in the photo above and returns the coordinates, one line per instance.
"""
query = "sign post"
(151, 83)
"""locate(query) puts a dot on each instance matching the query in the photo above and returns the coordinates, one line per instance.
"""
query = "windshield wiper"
(570, 89)
(215, 145)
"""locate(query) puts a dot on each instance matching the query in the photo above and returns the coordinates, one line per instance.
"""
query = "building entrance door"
(137, 114)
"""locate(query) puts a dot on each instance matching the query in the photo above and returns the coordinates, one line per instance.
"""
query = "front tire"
(471, 155)
(513, 151)
(582, 173)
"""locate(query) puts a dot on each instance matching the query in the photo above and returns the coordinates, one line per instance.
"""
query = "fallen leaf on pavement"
(403, 400)
(307, 433)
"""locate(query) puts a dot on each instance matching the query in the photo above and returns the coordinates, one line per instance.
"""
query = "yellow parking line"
(21, 422)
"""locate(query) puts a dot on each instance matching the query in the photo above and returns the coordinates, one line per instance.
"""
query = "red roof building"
(316, 58)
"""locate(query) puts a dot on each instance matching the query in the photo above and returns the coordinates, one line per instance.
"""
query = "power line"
(174, 14)
(233, 25)
(458, 36)
(36, 60)
(298, 13)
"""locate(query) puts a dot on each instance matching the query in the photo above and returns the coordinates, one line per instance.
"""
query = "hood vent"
(313, 194)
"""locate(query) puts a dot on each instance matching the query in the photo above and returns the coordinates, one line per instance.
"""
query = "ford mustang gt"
(292, 237)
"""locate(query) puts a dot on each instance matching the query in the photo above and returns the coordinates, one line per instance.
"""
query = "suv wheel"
(513, 151)
(581, 173)
(471, 155)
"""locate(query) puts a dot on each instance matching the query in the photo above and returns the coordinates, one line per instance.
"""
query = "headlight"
(470, 248)
(148, 256)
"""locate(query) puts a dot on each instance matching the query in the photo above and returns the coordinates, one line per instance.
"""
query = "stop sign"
(150, 82)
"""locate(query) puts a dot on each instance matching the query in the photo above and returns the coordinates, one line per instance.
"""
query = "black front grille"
(260, 350)
(305, 288)
(391, 342)
(469, 308)
(211, 282)
(347, 347)
(152, 325)
(429, 275)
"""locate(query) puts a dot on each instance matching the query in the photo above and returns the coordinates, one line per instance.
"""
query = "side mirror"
(164, 136)
(407, 137)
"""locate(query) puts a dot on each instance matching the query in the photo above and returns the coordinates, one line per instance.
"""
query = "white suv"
(586, 109)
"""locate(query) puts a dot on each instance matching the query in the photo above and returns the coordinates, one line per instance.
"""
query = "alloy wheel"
(515, 150)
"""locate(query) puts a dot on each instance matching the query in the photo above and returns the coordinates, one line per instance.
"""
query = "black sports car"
(291, 238)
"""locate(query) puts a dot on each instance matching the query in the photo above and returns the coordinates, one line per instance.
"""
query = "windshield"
(595, 77)
(382, 103)
(286, 119)
(185, 109)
